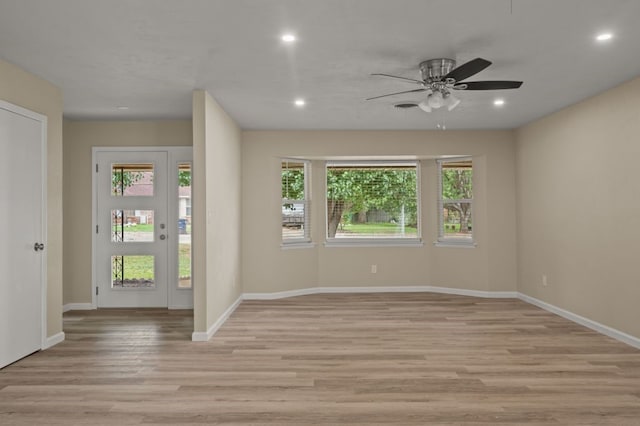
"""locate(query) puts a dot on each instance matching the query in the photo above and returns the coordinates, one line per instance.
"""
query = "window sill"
(456, 244)
(374, 243)
(297, 245)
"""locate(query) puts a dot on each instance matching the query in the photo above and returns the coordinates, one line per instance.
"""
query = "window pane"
(295, 203)
(292, 180)
(457, 220)
(293, 220)
(456, 199)
(371, 201)
(457, 180)
(132, 226)
(184, 225)
(132, 272)
(132, 180)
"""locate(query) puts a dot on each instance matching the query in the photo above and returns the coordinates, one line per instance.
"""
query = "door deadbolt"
(38, 246)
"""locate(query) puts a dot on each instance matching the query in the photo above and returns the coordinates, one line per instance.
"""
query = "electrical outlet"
(374, 269)
(544, 280)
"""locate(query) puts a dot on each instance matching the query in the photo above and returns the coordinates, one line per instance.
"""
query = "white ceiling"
(150, 54)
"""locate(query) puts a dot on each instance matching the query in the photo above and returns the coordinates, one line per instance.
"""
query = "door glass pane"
(184, 225)
(132, 226)
(132, 272)
(132, 180)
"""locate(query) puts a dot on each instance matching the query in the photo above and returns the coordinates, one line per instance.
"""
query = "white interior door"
(22, 232)
(133, 232)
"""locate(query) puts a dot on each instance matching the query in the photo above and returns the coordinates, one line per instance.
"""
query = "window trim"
(304, 241)
(442, 240)
(373, 241)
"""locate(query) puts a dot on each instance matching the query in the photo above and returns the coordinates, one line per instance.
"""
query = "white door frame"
(178, 298)
(173, 151)
(44, 343)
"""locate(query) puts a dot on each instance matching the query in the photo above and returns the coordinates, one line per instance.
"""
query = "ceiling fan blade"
(488, 85)
(467, 69)
(397, 93)
(398, 77)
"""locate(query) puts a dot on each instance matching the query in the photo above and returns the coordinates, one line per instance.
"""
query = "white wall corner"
(53, 340)
(204, 336)
(593, 325)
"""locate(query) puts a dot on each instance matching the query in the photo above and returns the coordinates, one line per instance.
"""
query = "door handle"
(38, 246)
(162, 236)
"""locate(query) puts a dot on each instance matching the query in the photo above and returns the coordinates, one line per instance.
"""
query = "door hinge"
(96, 229)
(96, 167)
(97, 290)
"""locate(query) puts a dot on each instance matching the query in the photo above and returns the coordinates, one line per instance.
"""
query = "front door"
(132, 232)
(22, 244)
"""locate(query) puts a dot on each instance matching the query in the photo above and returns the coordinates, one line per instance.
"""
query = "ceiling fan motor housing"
(435, 69)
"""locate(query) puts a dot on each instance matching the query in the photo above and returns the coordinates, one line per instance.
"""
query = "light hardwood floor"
(347, 359)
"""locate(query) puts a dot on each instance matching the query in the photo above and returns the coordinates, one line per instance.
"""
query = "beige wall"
(578, 208)
(28, 91)
(491, 266)
(79, 138)
(216, 211)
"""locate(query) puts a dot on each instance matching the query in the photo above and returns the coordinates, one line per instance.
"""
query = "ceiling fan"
(441, 76)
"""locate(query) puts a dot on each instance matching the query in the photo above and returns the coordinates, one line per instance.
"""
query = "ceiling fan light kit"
(424, 105)
(451, 101)
(441, 76)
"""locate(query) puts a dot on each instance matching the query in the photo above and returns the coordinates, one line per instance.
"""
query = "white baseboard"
(596, 326)
(89, 307)
(279, 294)
(202, 336)
(77, 307)
(53, 340)
(380, 289)
(475, 293)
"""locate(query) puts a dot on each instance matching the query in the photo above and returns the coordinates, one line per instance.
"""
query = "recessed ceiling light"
(498, 102)
(122, 108)
(288, 38)
(299, 102)
(604, 36)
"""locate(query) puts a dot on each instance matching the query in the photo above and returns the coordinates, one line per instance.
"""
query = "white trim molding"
(78, 307)
(372, 242)
(204, 336)
(53, 340)
(593, 325)
(179, 307)
(381, 289)
(279, 294)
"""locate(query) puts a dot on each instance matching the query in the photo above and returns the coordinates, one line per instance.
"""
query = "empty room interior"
(332, 212)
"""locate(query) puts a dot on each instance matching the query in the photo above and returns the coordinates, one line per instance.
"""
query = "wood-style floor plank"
(347, 359)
